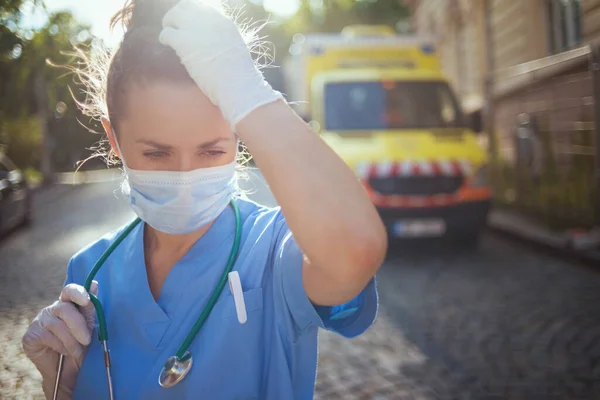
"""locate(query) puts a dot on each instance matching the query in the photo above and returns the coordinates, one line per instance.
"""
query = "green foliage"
(9, 18)
(561, 197)
(59, 35)
(22, 137)
(333, 15)
(35, 95)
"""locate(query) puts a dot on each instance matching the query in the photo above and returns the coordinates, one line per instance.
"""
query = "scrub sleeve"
(349, 320)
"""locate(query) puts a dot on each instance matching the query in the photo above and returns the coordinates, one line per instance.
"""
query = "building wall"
(519, 35)
(457, 28)
(559, 183)
(591, 20)
(519, 32)
(508, 37)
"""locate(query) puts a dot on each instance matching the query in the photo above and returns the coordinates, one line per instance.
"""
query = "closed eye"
(213, 153)
(156, 154)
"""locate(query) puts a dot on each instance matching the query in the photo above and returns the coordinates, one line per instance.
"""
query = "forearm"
(326, 207)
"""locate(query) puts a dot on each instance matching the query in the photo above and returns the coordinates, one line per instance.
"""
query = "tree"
(10, 16)
(38, 117)
(334, 15)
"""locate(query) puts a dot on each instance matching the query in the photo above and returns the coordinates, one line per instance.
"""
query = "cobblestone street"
(502, 322)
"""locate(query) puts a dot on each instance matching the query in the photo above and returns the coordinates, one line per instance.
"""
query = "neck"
(163, 251)
(159, 242)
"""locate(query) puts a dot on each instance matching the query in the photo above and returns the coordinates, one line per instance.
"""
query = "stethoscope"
(178, 366)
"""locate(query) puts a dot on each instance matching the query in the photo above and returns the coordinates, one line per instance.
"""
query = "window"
(390, 105)
(564, 24)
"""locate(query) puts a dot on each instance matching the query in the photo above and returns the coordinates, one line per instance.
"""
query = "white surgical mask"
(178, 202)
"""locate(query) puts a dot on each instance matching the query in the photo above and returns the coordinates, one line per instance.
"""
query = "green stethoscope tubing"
(181, 352)
(102, 331)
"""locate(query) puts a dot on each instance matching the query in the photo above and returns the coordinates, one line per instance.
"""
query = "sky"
(97, 13)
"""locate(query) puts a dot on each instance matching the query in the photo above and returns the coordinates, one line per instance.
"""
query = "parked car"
(15, 196)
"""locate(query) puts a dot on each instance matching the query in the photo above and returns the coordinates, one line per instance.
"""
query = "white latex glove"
(61, 328)
(211, 47)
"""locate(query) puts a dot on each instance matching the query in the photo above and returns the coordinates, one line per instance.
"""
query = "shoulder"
(83, 261)
(263, 231)
(259, 218)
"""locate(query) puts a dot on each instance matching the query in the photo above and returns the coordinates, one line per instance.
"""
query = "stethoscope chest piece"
(174, 370)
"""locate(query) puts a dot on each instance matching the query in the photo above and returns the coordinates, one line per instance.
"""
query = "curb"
(558, 244)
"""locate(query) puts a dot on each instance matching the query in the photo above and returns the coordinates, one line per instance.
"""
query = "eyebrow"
(204, 145)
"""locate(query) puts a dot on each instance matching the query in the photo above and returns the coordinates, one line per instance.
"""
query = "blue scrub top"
(272, 356)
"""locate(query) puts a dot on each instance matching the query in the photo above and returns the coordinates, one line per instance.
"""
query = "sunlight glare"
(283, 8)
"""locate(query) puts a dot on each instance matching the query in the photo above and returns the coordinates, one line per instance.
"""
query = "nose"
(186, 163)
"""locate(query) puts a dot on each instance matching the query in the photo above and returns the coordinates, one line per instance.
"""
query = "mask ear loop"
(238, 153)
(119, 150)
(125, 187)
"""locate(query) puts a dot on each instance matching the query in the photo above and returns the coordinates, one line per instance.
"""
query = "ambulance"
(382, 102)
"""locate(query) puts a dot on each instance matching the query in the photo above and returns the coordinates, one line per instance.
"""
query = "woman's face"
(172, 127)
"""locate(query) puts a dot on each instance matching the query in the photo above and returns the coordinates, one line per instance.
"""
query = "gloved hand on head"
(215, 54)
(64, 327)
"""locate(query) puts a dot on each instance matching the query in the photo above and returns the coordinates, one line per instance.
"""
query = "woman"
(179, 86)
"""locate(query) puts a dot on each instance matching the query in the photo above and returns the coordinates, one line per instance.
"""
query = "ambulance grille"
(417, 185)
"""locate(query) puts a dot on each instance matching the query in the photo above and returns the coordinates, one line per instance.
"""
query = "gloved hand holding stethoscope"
(66, 328)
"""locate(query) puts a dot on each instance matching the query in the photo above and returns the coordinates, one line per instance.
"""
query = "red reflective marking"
(436, 169)
(372, 170)
(455, 168)
(415, 169)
